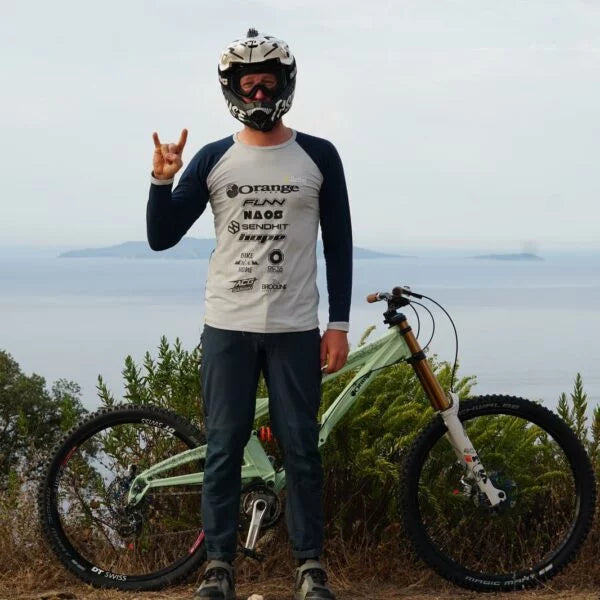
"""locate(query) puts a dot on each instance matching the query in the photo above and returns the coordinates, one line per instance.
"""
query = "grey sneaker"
(311, 582)
(218, 583)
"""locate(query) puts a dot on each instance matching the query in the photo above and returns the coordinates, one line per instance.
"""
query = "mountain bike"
(497, 492)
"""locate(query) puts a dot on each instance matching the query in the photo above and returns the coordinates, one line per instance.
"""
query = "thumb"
(323, 350)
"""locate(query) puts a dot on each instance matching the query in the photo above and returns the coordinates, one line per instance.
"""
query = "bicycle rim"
(95, 533)
(531, 455)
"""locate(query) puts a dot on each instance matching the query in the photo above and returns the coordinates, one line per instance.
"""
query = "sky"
(460, 123)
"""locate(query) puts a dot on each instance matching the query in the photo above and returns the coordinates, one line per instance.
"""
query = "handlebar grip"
(373, 297)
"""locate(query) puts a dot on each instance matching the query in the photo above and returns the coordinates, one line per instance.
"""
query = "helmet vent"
(252, 32)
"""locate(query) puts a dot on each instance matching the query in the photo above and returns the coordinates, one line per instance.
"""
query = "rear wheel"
(548, 479)
(82, 500)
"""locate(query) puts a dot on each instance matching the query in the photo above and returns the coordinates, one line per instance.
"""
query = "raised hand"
(167, 157)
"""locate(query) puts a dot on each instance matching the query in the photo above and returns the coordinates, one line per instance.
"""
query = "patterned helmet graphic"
(258, 53)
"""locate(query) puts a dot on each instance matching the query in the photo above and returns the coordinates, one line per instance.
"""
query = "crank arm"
(259, 508)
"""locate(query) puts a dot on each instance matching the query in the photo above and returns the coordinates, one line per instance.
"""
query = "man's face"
(268, 81)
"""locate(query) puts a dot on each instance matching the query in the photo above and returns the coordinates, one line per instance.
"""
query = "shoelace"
(318, 575)
(216, 573)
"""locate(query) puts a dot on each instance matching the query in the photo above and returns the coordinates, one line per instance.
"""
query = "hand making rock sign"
(167, 157)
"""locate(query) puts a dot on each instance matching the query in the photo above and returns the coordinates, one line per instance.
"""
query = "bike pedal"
(252, 554)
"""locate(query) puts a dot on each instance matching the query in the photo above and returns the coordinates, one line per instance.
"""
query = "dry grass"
(357, 570)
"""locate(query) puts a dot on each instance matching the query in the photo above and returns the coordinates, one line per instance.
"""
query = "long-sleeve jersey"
(267, 204)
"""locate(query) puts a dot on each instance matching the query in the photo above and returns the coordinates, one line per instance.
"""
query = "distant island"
(187, 248)
(520, 256)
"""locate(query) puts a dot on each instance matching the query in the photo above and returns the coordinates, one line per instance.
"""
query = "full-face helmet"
(258, 53)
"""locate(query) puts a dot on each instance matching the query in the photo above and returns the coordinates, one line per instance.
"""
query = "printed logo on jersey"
(262, 238)
(245, 261)
(263, 214)
(245, 264)
(263, 202)
(233, 189)
(266, 226)
(275, 258)
(274, 286)
(243, 285)
(233, 227)
(295, 179)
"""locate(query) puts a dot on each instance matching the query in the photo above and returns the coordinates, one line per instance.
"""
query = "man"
(269, 187)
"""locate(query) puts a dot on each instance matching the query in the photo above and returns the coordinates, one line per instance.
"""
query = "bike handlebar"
(396, 293)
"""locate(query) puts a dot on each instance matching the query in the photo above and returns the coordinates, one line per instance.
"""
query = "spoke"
(93, 501)
(505, 539)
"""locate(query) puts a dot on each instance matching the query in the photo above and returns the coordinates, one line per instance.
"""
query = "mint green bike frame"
(399, 344)
(256, 465)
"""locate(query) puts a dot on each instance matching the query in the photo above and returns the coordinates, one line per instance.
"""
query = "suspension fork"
(447, 406)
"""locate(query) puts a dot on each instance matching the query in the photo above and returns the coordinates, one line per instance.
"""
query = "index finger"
(156, 140)
(182, 140)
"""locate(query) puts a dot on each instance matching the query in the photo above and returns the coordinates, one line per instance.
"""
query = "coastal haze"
(526, 327)
(460, 124)
(465, 129)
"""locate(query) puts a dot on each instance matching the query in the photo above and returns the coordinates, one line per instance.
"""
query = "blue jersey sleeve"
(336, 227)
(171, 212)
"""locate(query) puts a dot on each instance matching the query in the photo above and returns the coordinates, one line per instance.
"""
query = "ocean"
(525, 328)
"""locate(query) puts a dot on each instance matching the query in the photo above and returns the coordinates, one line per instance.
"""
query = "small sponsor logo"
(358, 385)
(233, 227)
(237, 112)
(158, 424)
(108, 574)
(267, 214)
(262, 238)
(263, 202)
(245, 269)
(282, 106)
(481, 475)
(274, 269)
(295, 179)
(243, 285)
(266, 226)
(246, 261)
(274, 286)
(233, 189)
(276, 256)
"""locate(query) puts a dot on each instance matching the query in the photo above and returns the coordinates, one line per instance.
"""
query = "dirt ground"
(281, 591)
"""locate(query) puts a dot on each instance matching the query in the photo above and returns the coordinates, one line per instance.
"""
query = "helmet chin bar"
(259, 115)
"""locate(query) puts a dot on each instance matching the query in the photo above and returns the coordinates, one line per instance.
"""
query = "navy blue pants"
(230, 369)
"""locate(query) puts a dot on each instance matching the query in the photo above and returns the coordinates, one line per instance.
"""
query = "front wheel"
(537, 460)
(82, 500)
